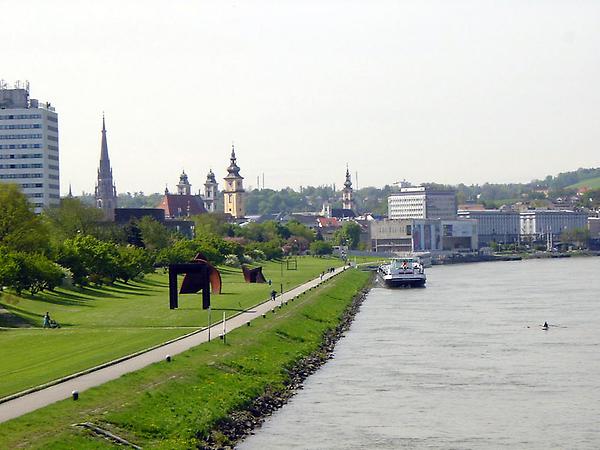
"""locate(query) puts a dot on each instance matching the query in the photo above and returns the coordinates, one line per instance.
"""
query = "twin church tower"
(106, 193)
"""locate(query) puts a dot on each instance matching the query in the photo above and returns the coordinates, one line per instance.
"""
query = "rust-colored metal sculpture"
(253, 275)
(200, 275)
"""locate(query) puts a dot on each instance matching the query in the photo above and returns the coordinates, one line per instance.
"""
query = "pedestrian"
(47, 320)
(273, 294)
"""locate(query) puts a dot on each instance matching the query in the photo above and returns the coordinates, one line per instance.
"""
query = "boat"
(402, 272)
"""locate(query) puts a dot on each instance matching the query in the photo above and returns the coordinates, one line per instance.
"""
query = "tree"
(319, 248)
(154, 234)
(133, 262)
(20, 228)
(348, 235)
(72, 217)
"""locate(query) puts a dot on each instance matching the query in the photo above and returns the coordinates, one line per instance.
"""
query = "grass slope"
(101, 324)
(173, 405)
(591, 183)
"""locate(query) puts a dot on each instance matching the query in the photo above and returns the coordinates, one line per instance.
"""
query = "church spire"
(106, 193)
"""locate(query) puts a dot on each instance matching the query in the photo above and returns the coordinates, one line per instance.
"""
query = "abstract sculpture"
(200, 275)
(253, 275)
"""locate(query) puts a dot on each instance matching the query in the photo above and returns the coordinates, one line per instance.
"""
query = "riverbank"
(179, 404)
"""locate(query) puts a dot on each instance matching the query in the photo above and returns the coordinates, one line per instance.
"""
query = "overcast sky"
(444, 91)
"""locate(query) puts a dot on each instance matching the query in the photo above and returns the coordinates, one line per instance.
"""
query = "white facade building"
(422, 203)
(494, 225)
(537, 223)
(29, 146)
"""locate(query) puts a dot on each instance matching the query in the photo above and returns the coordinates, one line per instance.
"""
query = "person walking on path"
(273, 294)
(47, 320)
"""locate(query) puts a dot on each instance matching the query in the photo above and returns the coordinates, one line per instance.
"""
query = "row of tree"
(71, 241)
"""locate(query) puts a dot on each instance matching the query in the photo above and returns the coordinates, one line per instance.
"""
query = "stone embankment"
(242, 423)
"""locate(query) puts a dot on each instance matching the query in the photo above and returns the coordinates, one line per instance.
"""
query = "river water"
(461, 364)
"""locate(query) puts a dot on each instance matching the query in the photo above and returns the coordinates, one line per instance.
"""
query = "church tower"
(106, 192)
(234, 189)
(184, 187)
(210, 192)
(347, 198)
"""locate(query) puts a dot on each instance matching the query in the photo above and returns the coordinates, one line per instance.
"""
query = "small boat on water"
(402, 272)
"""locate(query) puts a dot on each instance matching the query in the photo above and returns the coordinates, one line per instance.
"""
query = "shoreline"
(244, 421)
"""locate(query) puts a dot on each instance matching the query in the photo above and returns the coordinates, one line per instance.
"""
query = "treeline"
(374, 200)
(38, 252)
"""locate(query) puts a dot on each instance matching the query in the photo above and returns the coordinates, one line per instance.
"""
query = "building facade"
(422, 203)
(234, 190)
(29, 150)
(211, 189)
(494, 225)
(105, 192)
(538, 223)
(422, 235)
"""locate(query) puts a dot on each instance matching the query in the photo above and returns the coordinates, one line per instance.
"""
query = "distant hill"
(568, 179)
(590, 183)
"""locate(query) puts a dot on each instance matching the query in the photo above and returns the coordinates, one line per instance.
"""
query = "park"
(102, 323)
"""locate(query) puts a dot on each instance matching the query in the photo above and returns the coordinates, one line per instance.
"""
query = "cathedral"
(105, 192)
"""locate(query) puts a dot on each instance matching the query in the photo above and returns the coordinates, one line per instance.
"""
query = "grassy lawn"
(173, 405)
(101, 324)
(591, 183)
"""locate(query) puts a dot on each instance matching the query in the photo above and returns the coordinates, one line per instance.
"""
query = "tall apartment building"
(422, 203)
(29, 146)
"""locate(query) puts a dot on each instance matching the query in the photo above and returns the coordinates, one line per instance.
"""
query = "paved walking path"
(38, 399)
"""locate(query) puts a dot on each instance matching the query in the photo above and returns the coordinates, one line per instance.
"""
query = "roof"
(340, 213)
(328, 222)
(182, 205)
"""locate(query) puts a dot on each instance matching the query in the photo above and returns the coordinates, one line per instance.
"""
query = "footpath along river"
(461, 364)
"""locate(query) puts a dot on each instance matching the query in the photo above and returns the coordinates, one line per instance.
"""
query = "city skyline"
(468, 92)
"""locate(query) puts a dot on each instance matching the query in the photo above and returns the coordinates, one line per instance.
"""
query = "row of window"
(52, 119)
(36, 195)
(21, 166)
(51, 128)
(53, 158)
(53, 195)
(53, 167)
(20, 116)
(53, 138)
(54, 186)
(32, 185)
(21, 126)
(20, 175)
(22, 156)
(21, 136)
(53, 177)
(12, 146)
(52, 147)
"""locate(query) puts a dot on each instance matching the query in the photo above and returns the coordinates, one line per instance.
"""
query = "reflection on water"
(463, 363)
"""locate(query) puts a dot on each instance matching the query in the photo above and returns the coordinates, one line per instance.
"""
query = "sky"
(442, 91)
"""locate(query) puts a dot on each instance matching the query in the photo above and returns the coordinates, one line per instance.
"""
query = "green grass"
(591, 183)
(101, 324)
(172, 405)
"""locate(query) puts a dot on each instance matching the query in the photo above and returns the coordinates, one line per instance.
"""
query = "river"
(461, 364)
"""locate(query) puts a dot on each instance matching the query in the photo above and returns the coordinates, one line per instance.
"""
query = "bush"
(319, 248)
(232, 261)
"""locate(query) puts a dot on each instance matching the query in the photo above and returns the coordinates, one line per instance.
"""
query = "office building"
(422, 203)
(29, 150)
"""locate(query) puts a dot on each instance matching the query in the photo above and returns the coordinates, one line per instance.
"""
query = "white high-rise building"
(422, 203)
(29, 146)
